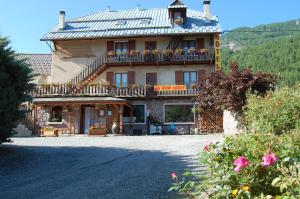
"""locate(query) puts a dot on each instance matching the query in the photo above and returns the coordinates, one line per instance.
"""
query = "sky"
(24, 22)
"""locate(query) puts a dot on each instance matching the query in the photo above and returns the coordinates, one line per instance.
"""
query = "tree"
(15, 76)
(228, 92)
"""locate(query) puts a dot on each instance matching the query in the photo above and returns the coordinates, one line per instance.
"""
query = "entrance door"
(87, 119)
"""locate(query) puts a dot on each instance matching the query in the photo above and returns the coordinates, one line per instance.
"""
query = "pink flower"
(240, 162)
(206, 147)
(173, 175)
(269, 160)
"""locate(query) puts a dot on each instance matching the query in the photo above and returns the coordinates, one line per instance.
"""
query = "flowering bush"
(247, 166)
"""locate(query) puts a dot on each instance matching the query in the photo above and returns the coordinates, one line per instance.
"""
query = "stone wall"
(230, 124)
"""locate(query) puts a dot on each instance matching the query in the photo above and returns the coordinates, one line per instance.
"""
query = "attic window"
(145, 21)
(120, 22)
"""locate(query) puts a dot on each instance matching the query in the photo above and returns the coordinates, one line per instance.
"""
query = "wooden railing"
(159, 57)
(64, 90)
(89, 70)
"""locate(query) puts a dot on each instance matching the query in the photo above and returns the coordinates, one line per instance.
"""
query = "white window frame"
(145, 114)
(179, 123)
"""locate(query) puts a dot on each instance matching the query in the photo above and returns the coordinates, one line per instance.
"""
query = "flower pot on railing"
(110, 53)
(179, 52)
(133, 53)
(192, 51)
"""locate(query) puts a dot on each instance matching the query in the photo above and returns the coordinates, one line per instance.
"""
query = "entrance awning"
(80, 100)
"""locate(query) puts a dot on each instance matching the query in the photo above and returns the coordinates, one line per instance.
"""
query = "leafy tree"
(228, 92)
(15, 76)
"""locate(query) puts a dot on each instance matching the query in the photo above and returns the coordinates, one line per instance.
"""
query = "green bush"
(277, 112)
(268, 168)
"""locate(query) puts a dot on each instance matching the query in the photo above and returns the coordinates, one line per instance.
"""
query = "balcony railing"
(160, 57)
(67, 90)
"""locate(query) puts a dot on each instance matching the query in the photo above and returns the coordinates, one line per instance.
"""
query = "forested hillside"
(273, 48)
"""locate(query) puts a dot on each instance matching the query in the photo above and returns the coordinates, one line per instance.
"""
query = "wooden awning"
(80, 100)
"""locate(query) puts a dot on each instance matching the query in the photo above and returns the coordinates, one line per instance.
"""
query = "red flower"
(173, 175)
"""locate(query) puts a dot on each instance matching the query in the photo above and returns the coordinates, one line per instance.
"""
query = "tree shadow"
(88, 172)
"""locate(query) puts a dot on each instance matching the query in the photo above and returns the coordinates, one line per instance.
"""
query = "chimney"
(61, 20)
(207, 16)
(108, 9)
(138, 7)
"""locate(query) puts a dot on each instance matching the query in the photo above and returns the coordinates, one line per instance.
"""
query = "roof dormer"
(177, 12)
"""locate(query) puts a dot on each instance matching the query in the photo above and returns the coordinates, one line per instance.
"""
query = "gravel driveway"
(96, 167)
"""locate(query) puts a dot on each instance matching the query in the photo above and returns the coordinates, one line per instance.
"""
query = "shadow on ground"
(87, 172)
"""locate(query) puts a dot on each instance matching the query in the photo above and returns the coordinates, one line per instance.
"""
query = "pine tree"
(15, 76)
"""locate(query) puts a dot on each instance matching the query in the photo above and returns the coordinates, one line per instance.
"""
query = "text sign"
(218, 52)
(170, 88)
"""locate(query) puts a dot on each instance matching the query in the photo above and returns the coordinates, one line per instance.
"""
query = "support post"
(121, 118)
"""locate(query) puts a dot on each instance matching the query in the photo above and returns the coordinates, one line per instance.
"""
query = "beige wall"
(71, 57)
(165, 74)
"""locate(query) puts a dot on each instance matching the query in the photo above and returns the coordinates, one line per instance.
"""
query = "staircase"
(22, 131)
(89, 74)
(174, 43)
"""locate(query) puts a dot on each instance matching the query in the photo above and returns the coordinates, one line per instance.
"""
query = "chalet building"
(127, 72)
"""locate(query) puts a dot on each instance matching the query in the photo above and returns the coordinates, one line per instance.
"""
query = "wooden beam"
(121, 111)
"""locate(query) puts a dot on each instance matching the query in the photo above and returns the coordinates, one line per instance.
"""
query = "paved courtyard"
(96, 167)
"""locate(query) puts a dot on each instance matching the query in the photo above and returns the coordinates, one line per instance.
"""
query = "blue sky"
(24, 22)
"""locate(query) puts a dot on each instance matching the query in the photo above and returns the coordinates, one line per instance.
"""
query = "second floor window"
(190, 78)
(121, 79)
(121, 47)
(188, 44)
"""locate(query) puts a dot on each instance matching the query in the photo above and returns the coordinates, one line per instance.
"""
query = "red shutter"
(110, 77)
(211, 41)
(131, 45)
(178, 77)
(202, 76)
(110, 46)
(131, 77)
(200, 44)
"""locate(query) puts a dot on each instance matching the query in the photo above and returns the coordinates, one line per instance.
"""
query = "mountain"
(273, 48)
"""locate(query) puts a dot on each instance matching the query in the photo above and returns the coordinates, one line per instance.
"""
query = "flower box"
(49, 132)
(101, 130)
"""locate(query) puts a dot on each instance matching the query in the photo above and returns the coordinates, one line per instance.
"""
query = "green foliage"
(14, 87)
(281, 179)
(277, 112)
(276, 52)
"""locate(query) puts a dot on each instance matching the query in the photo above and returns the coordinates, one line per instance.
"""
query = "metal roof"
(104, 24)
(39, 63)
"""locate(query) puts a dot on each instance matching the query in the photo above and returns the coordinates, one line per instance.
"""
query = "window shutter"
(178, 77)
(151, 78)
(211, 41)
(110, 46)
(201, 76)
(110, 77)
(131, 77)
(131, 45)
(200, 44)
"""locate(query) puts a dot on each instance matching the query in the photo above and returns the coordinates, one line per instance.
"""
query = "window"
(56, 114)
(188, 44)
(177, 15)
(138, 113)
(121, 79)
(179, 113)
(121, 47)
(120, 22)
(189, 78)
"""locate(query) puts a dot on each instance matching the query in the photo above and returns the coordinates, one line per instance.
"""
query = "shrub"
(277, 112)
(15, 76)
(247, 166)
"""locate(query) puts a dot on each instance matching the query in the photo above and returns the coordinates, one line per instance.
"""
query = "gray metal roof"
(104, 24)
(39, 63)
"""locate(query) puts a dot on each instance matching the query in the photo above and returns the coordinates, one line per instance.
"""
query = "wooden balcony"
(157, 57)
(67, 90)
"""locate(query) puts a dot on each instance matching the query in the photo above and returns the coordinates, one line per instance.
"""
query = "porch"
(159, 57)
(100, 90)
(79, 115)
